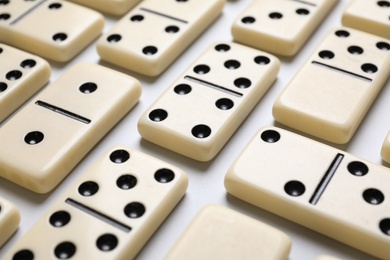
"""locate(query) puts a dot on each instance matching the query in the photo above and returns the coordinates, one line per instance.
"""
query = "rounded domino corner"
(385, 150)
(9, 220)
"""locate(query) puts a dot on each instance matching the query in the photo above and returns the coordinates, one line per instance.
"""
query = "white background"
(206, 179)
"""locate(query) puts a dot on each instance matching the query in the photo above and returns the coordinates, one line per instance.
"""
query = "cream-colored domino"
(54, 29)
(280, 26)
(113, 7)
(317, 186)
(9, 220)
(326, 257)
(21, 75)
(385, 151)
(202, 109)
(369, 16)
(221, 233)
(330, 95)
(109, 213)
(149, 38)
(45, 140)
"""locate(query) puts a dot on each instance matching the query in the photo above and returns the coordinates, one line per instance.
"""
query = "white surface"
(206, 179)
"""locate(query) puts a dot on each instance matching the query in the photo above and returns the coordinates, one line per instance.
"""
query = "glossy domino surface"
(109, 213)
(306, 182)
(221, 233)
(369, 16)
(333, 91)
(44, 27)
(59, 126)
(280, 26)
(151, 36)
(222, 86)
(112, 7)
(21, 75)
(9, 220)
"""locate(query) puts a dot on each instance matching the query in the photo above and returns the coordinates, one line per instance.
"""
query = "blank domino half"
(113, 7)
(21, 75)
(54, 29)
(221, 233)
(9, 220)
(154, 33)
(369, 16)
(332, 92)
(46, 139)
(202, 109)
(109, 213)
(317, 186)
(280, 26)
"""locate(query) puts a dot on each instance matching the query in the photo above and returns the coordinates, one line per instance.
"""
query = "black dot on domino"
(134, 210)
(158, 115)
(88, 188)
(164, 175)
(224, 104)
(342, 33)
(248, 20)
(275, 16)
(137, 18)
(383, 46)
(14, 75)
(65, 250)
(59, 37)
(355, 50)
(126, 182)
(3, 86)
(107, 242)
(182, 89)
(4, 17)
(222, 48)
(201, 131)
(373, 196)
(24, 254)
(302, 11)
(384, 3)
(232, 64)
(262, 60)
(172, 29)
(28, 64)
(270, 136)
(88, 88)
(384, 225)
(59, 219)
(119, 156)
(242, 83)
(4, 2)
(149, 50)
(294, 188)
(357, 168)
(114, 38)
(201, 69)
(326, 55)
(33, 138)
(55, 6)
(369, 68)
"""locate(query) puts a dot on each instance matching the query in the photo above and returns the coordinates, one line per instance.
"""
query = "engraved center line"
(326, 179)
(304, 2)
(63, 112)
(27, 12)
(98, 215)
(163, 15)
(342, 71)
(213, 86)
